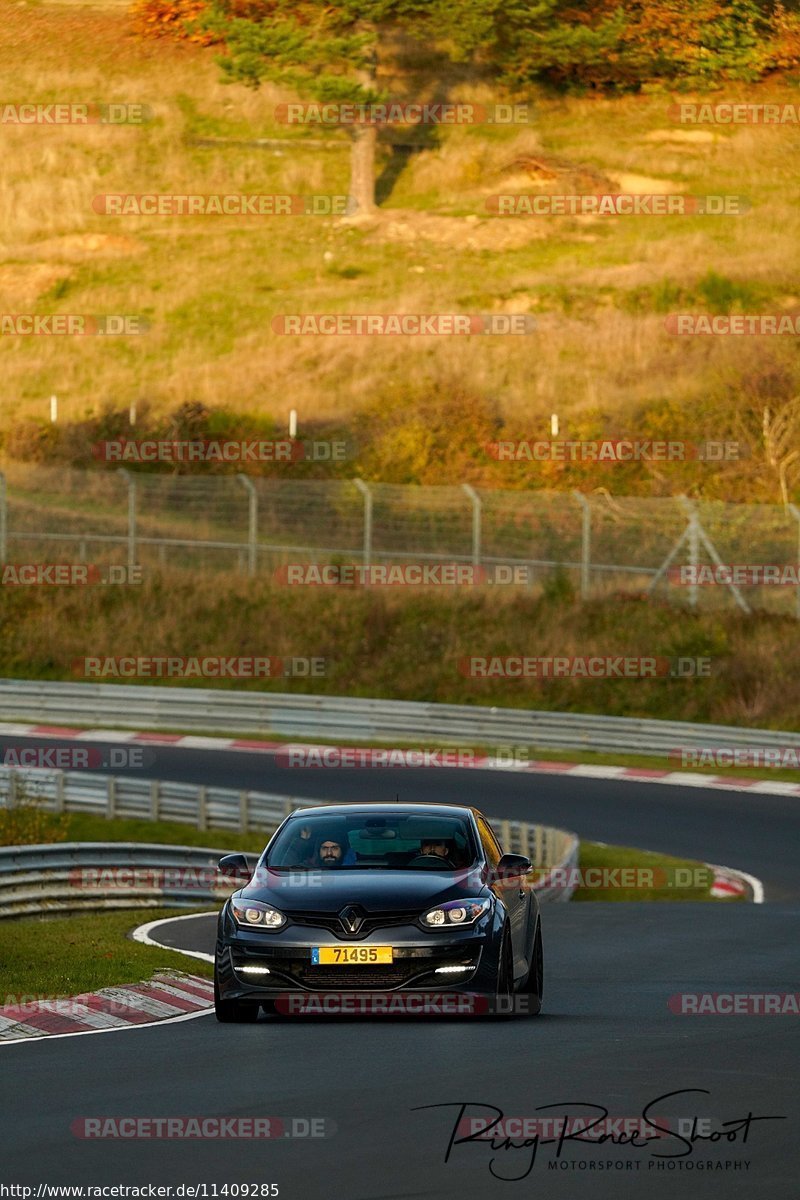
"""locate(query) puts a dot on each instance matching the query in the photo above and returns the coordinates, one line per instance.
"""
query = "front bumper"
(417, 955)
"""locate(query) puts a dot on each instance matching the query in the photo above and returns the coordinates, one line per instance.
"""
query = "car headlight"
(456, 913)
(255, 915)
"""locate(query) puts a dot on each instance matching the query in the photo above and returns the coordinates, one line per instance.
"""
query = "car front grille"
(371, 922)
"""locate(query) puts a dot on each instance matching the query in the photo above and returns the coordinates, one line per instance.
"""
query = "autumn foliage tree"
(329, 50)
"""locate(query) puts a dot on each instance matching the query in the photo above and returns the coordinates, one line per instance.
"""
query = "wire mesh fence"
(703, 553)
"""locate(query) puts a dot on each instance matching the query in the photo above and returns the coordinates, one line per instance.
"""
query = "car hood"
(376, 890)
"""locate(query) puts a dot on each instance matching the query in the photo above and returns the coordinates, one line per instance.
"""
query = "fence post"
(131, 483)
(586, 540)
(477, 507)
(111, 799)
(202, 807)
(793, 509)
(366, 492)
(693, 545)
(3, 518)
(252, 523)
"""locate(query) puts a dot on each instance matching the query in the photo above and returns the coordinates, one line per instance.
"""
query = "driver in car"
(334, 853)
(439, 849)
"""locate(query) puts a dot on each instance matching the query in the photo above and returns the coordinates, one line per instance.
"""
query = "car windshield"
(361, 841)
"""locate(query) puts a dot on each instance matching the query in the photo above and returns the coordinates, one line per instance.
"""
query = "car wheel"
(233, 1011)
(534, 984)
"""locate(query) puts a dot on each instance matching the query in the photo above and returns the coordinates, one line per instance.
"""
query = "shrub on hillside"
(187, 19)
(23, 821)
(679, 43)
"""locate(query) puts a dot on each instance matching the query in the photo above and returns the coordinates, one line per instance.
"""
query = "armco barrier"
(75, 877)
(341, 718)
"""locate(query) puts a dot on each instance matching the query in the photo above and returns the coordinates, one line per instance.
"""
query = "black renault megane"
(389, 897)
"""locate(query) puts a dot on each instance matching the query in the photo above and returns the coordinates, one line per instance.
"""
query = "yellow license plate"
(341, 956)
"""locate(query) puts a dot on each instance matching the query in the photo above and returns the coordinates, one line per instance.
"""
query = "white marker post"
(53, 409)
(293, 423)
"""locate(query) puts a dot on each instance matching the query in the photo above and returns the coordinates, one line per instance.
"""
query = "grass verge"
(650, 876)
(64, 956)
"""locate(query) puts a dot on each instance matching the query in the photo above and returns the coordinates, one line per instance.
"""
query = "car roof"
(392, 808)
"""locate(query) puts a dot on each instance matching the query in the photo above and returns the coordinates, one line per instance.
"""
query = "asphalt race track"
(607, 1037)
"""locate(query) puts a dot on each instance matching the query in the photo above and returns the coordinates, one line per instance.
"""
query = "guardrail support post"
(366, 492)
(243, 811)
(131, 483)
(586, 541)
(59, 797)
(477, 512)
(252, 523)
(3, 518)
(155, 796)
(202, 808)
(111, 799)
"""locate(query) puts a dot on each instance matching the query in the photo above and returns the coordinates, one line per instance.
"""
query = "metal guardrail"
(77, 877)
(342, 718)
(74, 877)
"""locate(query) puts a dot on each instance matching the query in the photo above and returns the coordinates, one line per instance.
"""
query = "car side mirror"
(511, 866)
(235, 866)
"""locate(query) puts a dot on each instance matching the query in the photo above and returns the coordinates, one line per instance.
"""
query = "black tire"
(237, 1012)
(533, 986)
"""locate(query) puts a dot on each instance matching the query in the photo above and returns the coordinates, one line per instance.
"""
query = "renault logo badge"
(352, 918)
